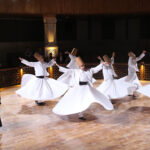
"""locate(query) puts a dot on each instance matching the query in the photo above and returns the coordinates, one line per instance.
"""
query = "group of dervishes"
(75, 85)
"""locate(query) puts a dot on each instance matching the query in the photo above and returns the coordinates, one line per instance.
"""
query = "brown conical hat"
(79, 61)
(37, 55)
(74, 51)
(131, 54)
(106, 59)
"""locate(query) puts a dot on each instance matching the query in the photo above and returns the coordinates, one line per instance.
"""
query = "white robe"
(40, 89)
(72, 64)
(80, 97)
(132, 69)
(145, 90)
(68, 77)
(113, 70)
(113, 88)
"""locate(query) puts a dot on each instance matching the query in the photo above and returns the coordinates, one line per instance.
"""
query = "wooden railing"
(12, 76)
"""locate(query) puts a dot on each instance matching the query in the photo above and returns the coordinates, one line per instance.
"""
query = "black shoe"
(0, 123)
(135, 97)
(40, 103)
(82, 118)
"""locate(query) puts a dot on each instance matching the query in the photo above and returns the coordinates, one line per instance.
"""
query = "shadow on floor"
(35, 109)
(74, 118)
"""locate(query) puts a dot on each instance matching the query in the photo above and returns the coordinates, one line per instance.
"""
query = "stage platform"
(27, 126)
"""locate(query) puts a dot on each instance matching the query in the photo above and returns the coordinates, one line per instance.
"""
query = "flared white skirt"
(115, 89)
(145, 90)
(79, 98)
(40, 89)
(132, 79)
(67, 78)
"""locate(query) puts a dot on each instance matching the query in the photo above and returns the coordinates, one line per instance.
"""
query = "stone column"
(50, 36)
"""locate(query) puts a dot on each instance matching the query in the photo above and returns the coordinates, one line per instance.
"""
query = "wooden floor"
(27, 126)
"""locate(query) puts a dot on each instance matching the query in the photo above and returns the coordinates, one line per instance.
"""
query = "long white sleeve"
(112, 63)
(63, 69)
(112, 60)
(71, 56)
(27, 63)
(50, 63)
(140, 57)
(97, 68)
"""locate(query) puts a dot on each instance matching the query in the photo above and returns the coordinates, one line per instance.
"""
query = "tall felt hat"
(131, 54)
(106, 59)
(74, 51)
(79, 61)
(37, 55)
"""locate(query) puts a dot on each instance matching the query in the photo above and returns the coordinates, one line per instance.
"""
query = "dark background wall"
(19, 36)
(93, 35)
(103, 34)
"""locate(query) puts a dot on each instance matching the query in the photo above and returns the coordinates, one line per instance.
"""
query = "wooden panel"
(52, 7)
(20, 6)
(94, 6)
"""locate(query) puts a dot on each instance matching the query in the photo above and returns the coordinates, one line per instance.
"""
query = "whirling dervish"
(111, 87)
(83, 94)
(39, 87)
(132, 77)
(67, 77)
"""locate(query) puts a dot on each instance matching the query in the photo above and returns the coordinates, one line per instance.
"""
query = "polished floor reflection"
(27, 126)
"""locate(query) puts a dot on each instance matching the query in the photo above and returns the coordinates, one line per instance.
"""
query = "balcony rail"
(12, 76)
